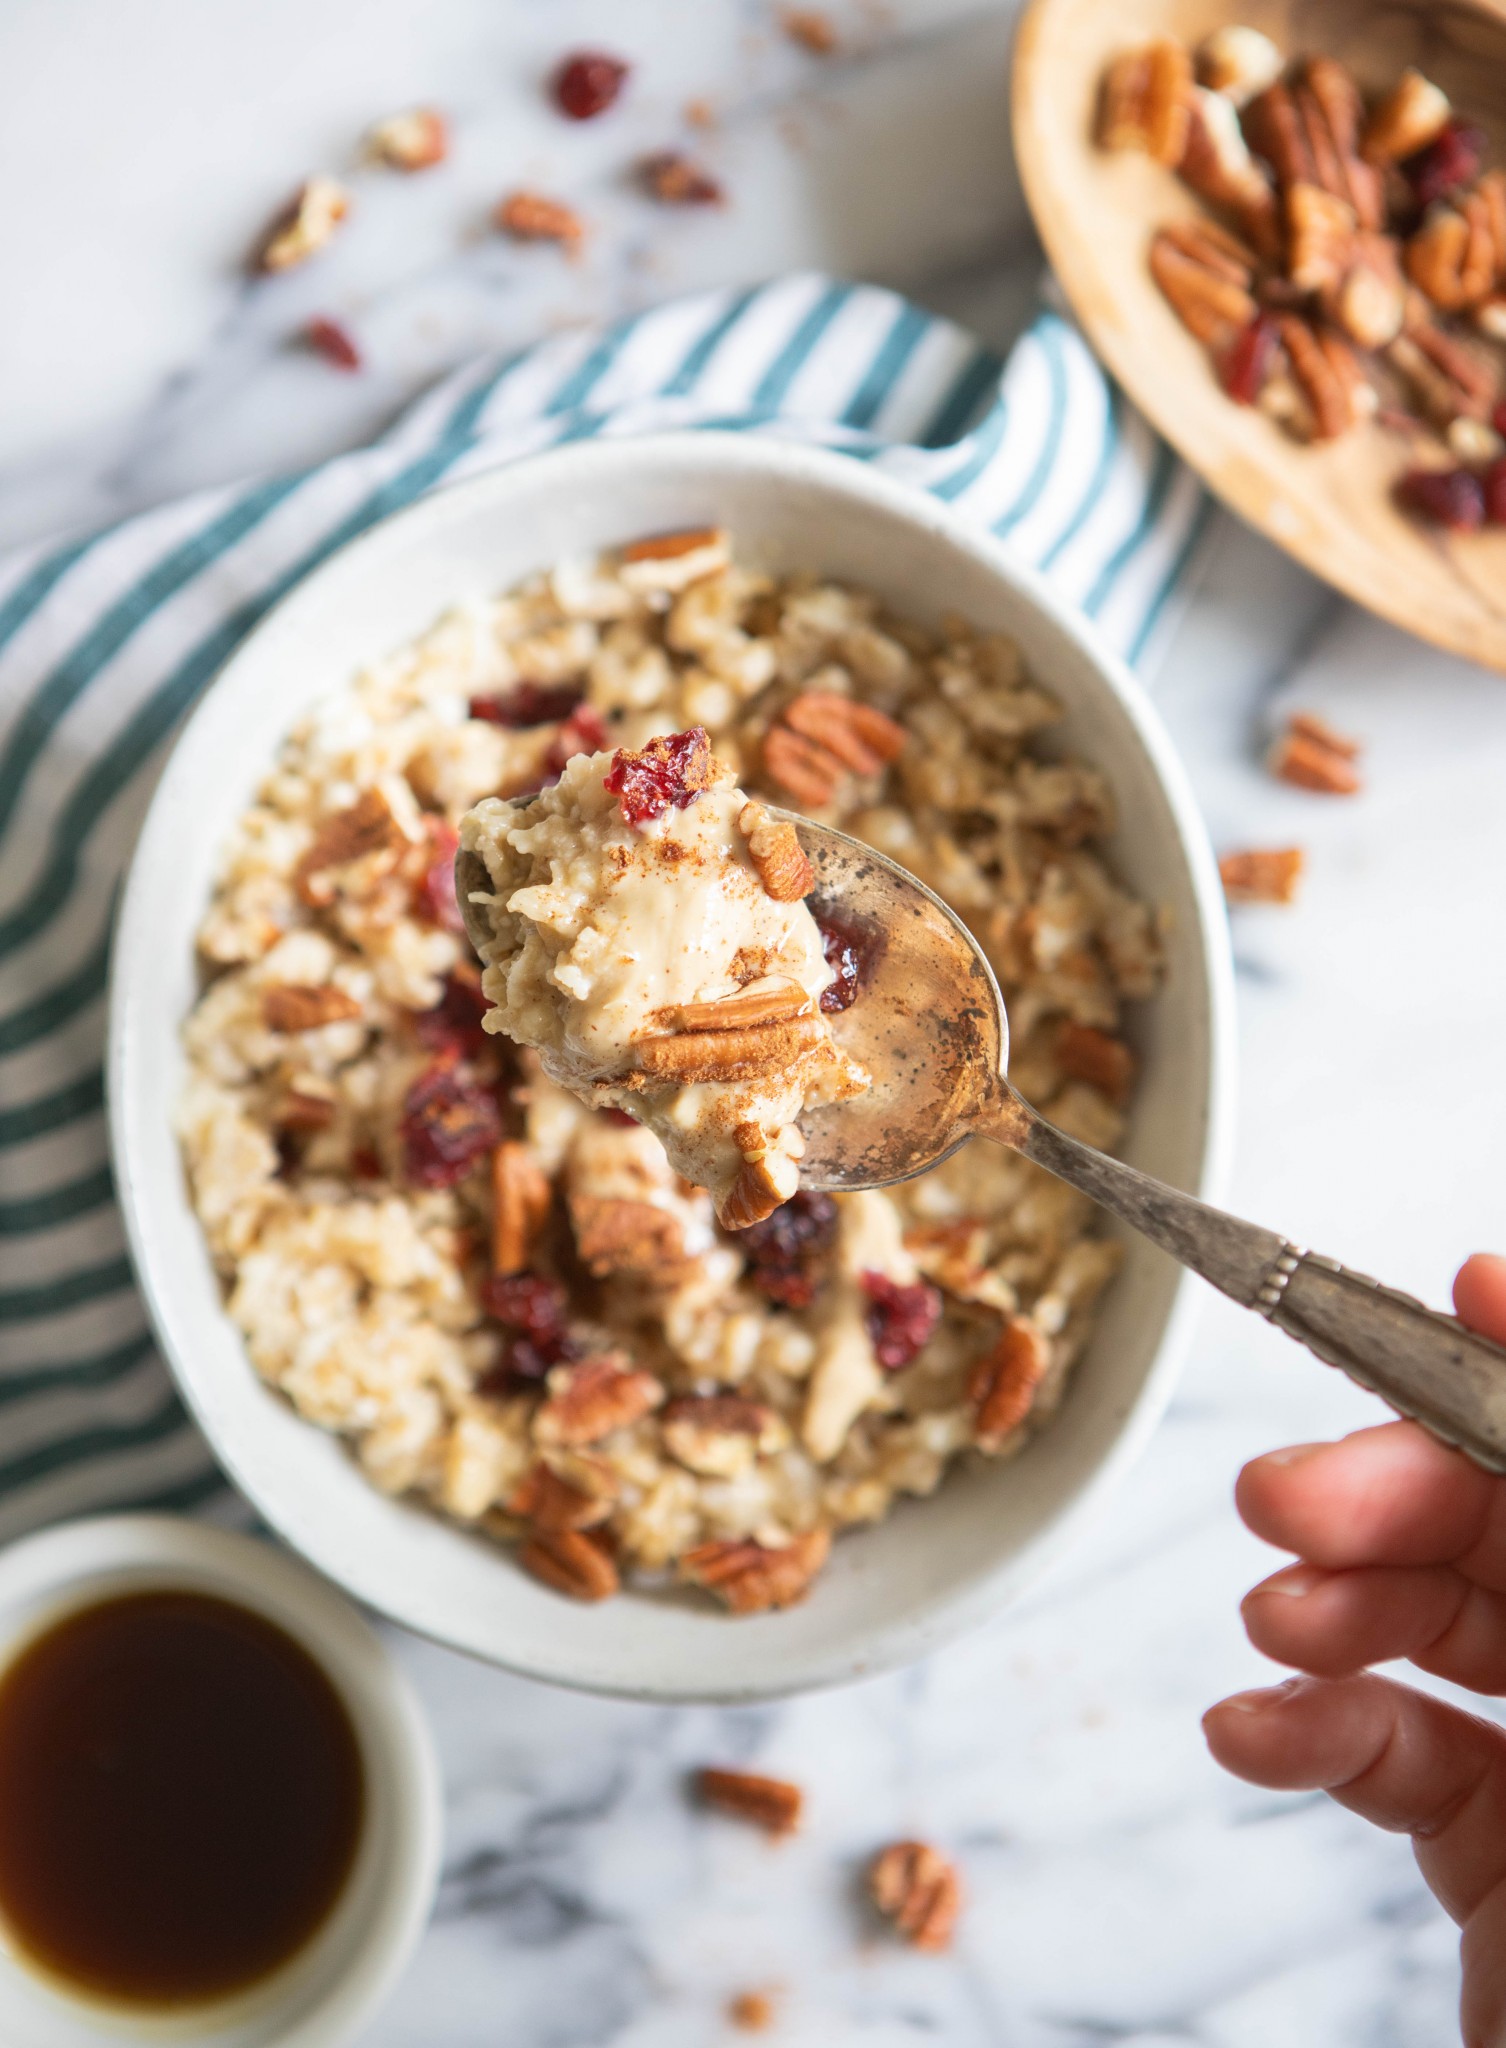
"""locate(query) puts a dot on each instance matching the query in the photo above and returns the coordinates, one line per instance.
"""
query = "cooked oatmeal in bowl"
(519, 1308)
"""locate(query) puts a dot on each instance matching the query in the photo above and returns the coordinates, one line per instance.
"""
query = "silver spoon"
(930, 1026)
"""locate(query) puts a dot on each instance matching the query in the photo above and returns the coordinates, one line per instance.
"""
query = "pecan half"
(750, 1577)
(615, 1234)
(534, 217)
(1274, 129)
(750, 1054)
(520, 1206)
(1104, 1062)
(917, 1888)
(1329, 106)
(1328, 376)
(807, 771)
(769, 1000)
(548, 1500)
(1238, 62)
(1262, 874)
(1002, 1383)
(675, 179)
(571, 1562)
(1146, 95)
(775, 851)
(1453, 257)
(773, 1804)
(1320, 237)
(367, 827)
(1311, 755)
(303, 227)
(1206, 277)
(588, 1401)
(288, 1006)
(1449, 378)
(862, 737)
(1414, 113)
(410, 141)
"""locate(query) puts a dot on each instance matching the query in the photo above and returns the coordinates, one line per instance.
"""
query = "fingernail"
(1295, 1583)
(1293, 1454)
(1258, 1700)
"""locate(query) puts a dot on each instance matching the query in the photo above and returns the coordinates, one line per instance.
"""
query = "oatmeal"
(513, 1305)
(649, 937)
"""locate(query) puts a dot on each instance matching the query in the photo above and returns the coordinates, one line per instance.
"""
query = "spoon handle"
(1425, 1364)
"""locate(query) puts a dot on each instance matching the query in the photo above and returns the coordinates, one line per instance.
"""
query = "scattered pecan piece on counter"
(1146, 100)
(413, 140)
(304, 225)
(572, 1562)
(918, 1888)
(752, 2012)
(1106, 1063)
(290, 1006)
(1262, 874)
(751, 1577)
(811, 29)
(675, 179)
(1002, 1384)
(773, 1804)
(588, 1401)
(775, 850)
(534, 217)
(520, 1206)
(1311, 755)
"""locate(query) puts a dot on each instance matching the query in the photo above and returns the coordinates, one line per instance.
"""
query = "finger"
(1394, 1756)
(1386, 1496)
(1480, 1295)
(1335, 1623)
(1482, 1950)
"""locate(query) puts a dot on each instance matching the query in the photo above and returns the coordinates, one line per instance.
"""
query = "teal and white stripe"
(106, 642)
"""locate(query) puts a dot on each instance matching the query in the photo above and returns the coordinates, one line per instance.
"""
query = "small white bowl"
(329, 1990)
(891, 1592)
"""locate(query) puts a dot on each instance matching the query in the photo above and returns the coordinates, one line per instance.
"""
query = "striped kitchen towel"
(106, 642)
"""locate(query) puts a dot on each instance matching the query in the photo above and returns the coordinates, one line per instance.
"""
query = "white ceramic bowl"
(890, 1592)
(326, 1994)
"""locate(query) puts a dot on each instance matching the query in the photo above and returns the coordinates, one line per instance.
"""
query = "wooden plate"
(1330, 506)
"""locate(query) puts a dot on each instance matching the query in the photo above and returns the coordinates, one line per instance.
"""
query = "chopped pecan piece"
(572, 1562)
(862, 737)
(520, 1206)
(1206, 276)
(1262, 874)
(807, 771)
(1103, 1061)
(1311, 755)
(588, 1401)
(615, 1234)
(533, 217)
(749, 1054)
(1218, 166)
(303, 227)
(720, 1435)
(300, 1110)
(1369, 302)
(917, 1888)
(765, 1182)
(1146, 96)
(1238, 62)
(750, 1577)
(669, 547)
(549, 1500)
(1002, 1383)
(1414, 113)
(769, 1000)
(675, 179)
(811, 29)
(1320, 237)
(289, 1006)
(775, 851)
(1453, 258)
(367, 827)
(752, 2012)
(410, 141)
(773, 1804)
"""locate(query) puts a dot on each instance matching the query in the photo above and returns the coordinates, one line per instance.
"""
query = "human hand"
(1402, 1553)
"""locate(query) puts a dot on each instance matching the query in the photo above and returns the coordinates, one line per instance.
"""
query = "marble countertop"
(1122, 1890)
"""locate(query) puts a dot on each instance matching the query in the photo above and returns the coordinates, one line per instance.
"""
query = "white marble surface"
(1122, 1890)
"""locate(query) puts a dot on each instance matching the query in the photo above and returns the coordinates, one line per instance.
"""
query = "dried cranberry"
(450, 1122)
(583, 732)
(1498, 417)
(618, 1116)
(848, 952)
(532, 1311)
(434, 898)
(1454, 159)
(289, 1143)
(329, 339)
(668, 771)
(527, 704)
(586, 84)
(366, 1163)
(1444, 497)
(1495, 493)
(781, 1250)
(454, 1024)
(1246, 363)
(899, 1319)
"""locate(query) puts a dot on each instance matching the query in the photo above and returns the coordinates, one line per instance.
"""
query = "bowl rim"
(69, 1565)
(795, 462)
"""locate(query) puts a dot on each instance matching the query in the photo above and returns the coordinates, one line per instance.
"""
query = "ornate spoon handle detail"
(1425, 1364)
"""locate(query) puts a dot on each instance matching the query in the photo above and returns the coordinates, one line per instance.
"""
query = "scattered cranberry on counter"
(329, 339)
(587, 84)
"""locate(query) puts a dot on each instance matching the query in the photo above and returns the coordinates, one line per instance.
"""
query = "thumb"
(1480, 1295)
